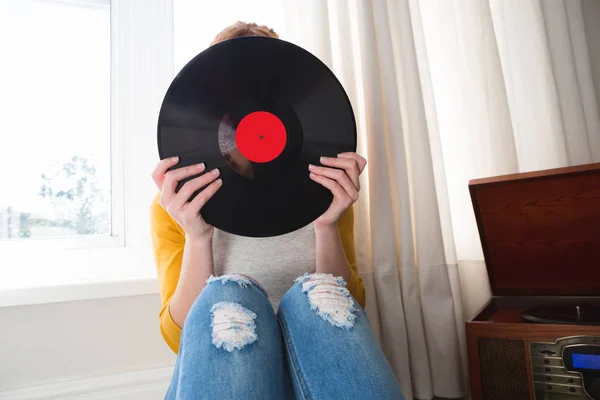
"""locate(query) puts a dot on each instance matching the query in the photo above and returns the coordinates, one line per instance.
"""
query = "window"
(79, 106)
(82, 82)
(55, 159)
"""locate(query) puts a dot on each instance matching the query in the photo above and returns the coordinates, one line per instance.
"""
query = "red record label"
(260, 137)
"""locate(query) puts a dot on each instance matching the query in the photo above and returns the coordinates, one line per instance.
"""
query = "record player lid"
(540, 231)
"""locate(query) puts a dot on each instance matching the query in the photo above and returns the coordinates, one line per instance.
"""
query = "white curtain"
(445, 91)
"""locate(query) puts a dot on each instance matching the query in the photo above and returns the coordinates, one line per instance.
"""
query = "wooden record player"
(540, 234)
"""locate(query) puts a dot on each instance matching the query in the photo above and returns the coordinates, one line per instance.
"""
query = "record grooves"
(261, 110)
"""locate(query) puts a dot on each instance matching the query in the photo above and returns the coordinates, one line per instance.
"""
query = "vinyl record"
(569, 314)
(261, 110)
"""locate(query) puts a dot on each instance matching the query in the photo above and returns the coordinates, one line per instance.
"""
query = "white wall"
(49, 342)
(591, 16)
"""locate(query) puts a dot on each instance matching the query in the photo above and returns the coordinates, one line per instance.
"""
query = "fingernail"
(200, 166)
(323, 159)
(312, 175)
(311, 167)
(174, 159)
(215, 171)
(219, 181)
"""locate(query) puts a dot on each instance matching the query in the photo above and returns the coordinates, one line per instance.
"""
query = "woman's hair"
(240, 29)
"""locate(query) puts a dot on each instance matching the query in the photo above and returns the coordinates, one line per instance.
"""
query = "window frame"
(141, 37)
(116, 236)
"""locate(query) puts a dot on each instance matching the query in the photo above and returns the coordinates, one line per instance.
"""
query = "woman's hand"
(185, 212)
(341, 176)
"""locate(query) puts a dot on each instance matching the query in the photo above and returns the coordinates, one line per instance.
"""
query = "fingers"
(361, 161)
(190, 187)
(349, 165)
(335, 188)
(338, 176)
(173, 177)
(352, 163)
(159, 172)
(204, 196)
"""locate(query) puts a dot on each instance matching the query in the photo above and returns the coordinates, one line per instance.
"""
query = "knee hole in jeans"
(329, 297)
(233, 326)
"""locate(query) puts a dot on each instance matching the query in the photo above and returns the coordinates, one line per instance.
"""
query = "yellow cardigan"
(168, 240)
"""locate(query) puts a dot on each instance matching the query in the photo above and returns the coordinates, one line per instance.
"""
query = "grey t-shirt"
(273, 261)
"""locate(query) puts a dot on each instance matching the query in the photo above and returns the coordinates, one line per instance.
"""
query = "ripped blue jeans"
(319, 346)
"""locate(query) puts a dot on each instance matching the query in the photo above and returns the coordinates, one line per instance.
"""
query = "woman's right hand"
(186, 213)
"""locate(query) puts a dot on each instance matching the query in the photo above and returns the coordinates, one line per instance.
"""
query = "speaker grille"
(503, 369)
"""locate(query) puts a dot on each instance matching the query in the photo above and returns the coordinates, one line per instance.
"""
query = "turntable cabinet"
(538, 338)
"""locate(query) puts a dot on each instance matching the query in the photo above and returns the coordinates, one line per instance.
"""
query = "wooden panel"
(529, 371)
(540, 231)
(528, 332)
(474, 366)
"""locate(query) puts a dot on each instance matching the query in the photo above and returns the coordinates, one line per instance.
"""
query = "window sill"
(41, 277)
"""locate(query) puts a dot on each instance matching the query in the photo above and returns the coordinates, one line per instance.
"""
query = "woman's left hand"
(341, 176)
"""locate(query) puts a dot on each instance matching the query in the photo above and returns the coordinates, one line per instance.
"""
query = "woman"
(220, 291)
